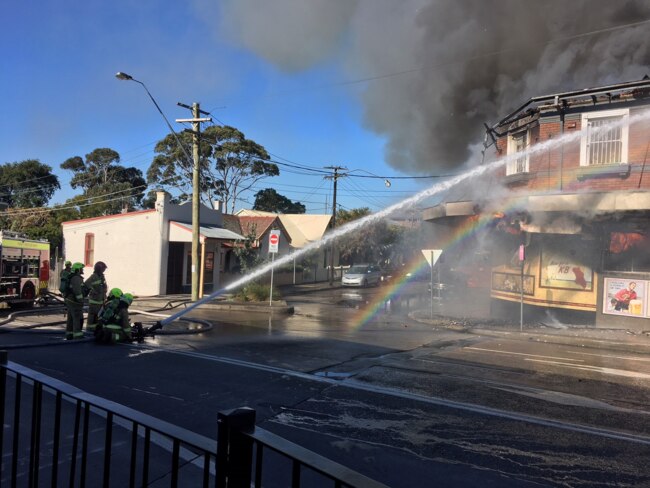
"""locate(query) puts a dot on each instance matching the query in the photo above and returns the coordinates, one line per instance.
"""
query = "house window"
(517, 143)
(604, 142)
(89, 250)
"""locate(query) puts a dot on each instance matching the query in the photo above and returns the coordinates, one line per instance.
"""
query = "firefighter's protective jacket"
(75, 290)
(119, 326)
(97, 288)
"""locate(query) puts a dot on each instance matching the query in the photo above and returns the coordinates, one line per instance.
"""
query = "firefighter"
(107, 311)
(96, 288)
(65, 277)
(118, 327)
(74, 302)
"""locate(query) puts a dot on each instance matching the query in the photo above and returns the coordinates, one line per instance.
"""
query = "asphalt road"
(406, 403)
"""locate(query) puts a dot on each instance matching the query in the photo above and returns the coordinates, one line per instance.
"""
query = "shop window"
(604, 142)
(517, 143)
(628, 251)
(89, 250)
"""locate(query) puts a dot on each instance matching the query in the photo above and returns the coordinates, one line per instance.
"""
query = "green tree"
(39, 223)
(229, 165)
(108, 188)
(26, 184)
(372, 243)
(246, 252)
(270, 200)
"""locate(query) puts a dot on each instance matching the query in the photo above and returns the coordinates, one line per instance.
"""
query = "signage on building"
(274, 241)
(626, 297)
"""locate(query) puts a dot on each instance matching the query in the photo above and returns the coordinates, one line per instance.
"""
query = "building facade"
(148, 252)
(561, 224)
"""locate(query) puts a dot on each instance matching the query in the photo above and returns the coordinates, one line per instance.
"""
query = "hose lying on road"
(203, 326)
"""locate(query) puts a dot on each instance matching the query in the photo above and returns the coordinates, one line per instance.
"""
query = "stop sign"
(274, 240)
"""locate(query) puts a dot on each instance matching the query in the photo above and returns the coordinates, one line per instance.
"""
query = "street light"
(123, 76)
(195, 205)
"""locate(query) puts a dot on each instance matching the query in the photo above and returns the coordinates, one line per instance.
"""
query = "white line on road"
(597, 369)
(626, 358)
(510, 353)
(432, 400)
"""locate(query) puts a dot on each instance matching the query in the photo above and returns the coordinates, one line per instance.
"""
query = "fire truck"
(24, 268)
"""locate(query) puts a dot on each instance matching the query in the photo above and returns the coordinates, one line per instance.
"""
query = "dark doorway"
(175, 268)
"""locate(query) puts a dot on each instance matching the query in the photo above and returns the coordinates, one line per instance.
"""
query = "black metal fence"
(57, 435)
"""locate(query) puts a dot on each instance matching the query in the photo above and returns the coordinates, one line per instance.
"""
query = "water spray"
(408, 202)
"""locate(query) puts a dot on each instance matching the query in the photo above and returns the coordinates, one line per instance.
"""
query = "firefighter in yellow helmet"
(96, 288)
(118, 327)
(74, 302)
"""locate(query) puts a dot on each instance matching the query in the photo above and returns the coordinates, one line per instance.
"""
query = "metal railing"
(250, 456)
(58, 435)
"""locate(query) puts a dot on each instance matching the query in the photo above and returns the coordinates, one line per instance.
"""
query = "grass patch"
(255, 292)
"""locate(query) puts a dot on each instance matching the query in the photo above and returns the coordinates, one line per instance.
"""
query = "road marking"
(627, 358)
(432, 400)
(510, 353)
(597, 369)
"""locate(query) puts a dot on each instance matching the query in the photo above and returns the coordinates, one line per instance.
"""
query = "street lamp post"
(195, 184)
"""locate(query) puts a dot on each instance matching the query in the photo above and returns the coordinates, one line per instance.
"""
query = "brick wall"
(558, 168)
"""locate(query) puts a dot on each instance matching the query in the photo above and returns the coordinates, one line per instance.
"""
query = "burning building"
(564, 227)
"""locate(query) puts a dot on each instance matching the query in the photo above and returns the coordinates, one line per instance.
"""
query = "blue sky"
(383, 87)
(61, 97)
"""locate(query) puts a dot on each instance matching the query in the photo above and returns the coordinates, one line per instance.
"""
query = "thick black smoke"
(444, 67)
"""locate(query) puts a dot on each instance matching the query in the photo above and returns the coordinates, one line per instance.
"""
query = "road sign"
(274, 241)
(432, 255)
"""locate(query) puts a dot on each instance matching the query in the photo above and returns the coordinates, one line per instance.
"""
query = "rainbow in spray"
(470, 227)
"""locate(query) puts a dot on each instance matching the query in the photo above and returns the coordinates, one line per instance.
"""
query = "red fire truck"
(24, 268)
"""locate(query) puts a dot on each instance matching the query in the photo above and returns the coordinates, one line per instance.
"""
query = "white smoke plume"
(439, 69)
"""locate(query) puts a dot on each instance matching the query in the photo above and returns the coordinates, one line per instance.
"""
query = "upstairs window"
(517, 143)
(605, 138)
(89, 250)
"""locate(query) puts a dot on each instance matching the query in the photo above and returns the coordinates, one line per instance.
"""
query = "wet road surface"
(405, 403)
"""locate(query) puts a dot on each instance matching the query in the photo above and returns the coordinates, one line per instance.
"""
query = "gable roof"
(301, 229)
(231, 222)
(259, 224)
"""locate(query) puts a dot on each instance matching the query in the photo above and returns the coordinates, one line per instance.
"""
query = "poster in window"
(560, 271)
(625, 297)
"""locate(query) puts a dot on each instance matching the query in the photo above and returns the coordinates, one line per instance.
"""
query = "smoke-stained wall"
(436, 70)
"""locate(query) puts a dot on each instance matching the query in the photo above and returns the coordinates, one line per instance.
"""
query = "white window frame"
(514, 164)
(624, 113)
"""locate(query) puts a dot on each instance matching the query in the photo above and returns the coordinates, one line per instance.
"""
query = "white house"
(148, 252)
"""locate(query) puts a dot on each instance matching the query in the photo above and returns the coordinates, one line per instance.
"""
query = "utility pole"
(196, 191)
(335, 177)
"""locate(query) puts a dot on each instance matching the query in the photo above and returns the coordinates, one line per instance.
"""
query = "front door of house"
(175, 268)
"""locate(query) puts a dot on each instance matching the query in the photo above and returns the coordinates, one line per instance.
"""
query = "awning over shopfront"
(182, 232)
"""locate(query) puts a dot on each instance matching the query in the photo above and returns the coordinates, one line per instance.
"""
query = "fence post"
(234, 448)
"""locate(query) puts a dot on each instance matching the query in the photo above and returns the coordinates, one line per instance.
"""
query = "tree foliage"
(269, 200)
(229, 165)
(247, 254)
(108, 188)
(372, 243)
(38, 223)
(27, 184)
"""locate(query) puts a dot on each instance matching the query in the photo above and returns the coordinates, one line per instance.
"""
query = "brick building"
(568, 219)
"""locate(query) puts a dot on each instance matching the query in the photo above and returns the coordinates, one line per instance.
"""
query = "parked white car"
(362, 275)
